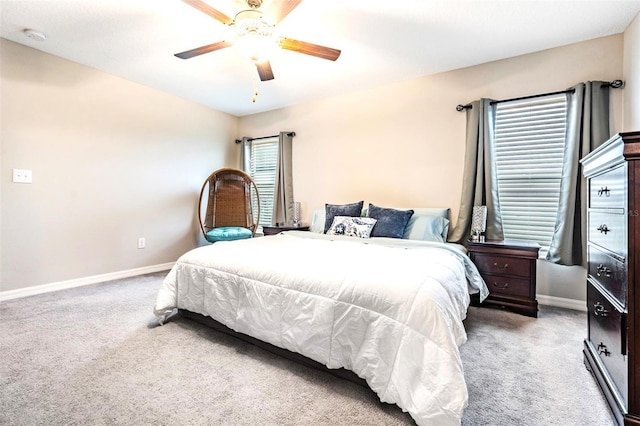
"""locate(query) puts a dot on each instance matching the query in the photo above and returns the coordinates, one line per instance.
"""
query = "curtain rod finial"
(616, 84)
(461, 107)
(238, 141)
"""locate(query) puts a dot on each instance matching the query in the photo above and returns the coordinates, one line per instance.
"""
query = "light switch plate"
(22, 176)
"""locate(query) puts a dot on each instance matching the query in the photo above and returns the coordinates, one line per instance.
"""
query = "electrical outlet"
(22, 176)
(142, 243)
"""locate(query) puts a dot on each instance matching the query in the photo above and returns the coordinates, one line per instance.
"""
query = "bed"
(390, 310)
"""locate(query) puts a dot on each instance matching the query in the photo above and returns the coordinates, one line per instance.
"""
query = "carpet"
(95, 356)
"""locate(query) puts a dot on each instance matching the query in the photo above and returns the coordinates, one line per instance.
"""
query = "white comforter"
(389, 310)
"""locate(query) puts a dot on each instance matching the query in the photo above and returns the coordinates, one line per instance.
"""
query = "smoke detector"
(34, 35)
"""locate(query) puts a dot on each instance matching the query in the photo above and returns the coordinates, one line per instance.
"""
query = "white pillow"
(352, 226)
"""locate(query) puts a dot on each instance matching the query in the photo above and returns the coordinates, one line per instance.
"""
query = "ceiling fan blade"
(310, 49)
(202, 50)
(205, 8)
(264, 70)
(279, 9)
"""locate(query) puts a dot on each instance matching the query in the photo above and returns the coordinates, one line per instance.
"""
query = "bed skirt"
(293, 356)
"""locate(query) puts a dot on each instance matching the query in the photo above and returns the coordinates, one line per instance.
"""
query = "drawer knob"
(603, 229)
(505, 266)
(599, 310)
(603, 191)
(603, 271)
(602, 349)
(504, 286)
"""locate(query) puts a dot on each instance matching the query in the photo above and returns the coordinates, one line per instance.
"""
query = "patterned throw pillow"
(352, 226)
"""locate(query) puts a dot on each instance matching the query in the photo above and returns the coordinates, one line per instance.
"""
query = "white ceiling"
(381, 41)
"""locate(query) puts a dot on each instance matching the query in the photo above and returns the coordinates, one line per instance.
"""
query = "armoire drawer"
(502, 265)
(499, 284)
(607, 333)
(609, 230)
(610, 272)
(608, 190)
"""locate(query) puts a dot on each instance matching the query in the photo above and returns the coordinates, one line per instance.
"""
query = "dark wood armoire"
(612, 347)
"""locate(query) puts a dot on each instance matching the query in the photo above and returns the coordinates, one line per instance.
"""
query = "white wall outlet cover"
(22, 176)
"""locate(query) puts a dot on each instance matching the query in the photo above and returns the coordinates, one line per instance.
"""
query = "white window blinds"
(529, 141)
(264, 156)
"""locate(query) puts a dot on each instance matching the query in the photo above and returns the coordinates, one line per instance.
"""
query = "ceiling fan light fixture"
(256, 47)
(251, 20)
(253, 36)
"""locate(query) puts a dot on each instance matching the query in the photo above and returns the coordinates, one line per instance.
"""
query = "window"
(529, 142)
(264, 155)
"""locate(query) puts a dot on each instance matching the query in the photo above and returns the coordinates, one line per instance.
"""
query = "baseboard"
(560, 302)
(578, 305)
(79, 282)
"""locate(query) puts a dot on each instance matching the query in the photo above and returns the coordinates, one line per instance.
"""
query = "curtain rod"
(290, 134)
(616, 84)
(560, 92)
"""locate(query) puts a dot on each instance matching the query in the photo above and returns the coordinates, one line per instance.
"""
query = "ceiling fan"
(253, 34)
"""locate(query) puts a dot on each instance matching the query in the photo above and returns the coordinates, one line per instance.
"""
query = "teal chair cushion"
(228, 233)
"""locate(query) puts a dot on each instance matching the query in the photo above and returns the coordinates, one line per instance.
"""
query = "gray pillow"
(333, 210)
(390, 222)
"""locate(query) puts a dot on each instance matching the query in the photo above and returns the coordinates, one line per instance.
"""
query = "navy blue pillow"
(390, 222)
(333, 210)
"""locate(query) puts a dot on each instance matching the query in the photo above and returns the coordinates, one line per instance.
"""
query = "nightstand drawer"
(499, 284)
(502, 265)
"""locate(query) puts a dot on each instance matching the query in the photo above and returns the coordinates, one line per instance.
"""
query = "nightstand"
(509, 269)
(276, 229)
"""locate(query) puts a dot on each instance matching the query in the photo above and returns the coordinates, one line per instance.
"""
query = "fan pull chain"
(255, 95)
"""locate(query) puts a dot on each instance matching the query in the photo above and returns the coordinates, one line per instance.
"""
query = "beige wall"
(631, 120)
(403, 144)
(112, 161)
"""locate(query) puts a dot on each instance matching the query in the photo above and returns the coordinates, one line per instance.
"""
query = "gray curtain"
(283, 196)
(479, 186)
(587, 128)
(245, 155)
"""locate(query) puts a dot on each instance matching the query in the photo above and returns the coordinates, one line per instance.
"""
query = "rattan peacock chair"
(229, 213)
